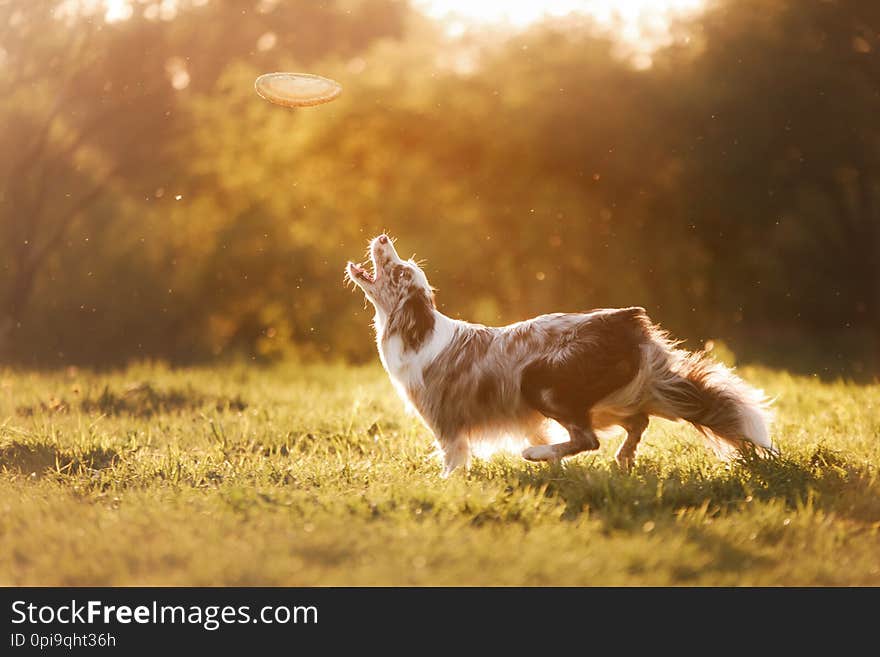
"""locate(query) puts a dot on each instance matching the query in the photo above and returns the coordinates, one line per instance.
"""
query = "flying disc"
(296, 89)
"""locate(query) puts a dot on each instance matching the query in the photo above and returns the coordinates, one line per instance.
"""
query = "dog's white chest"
(407, 367)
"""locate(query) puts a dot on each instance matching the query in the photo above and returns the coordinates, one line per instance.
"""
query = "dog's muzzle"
(383, 257)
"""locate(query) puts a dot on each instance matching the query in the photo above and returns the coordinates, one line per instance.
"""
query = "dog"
(476, 386)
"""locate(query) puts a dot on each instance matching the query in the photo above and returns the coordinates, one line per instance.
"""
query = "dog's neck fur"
(404, 361)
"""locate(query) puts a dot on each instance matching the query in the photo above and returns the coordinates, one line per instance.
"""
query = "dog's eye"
(398, 274)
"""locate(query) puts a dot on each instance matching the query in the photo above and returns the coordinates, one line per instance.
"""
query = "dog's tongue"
(360, 271)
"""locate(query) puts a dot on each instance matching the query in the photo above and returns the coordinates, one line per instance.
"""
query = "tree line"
(152, 206)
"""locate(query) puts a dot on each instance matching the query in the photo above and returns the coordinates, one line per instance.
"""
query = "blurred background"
(716, 161)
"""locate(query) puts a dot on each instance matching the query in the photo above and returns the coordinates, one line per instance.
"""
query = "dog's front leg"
(456, 452)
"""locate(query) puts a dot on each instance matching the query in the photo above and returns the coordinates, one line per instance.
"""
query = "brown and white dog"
(476, 386)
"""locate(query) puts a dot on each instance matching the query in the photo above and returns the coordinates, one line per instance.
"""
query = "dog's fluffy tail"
(730, 414)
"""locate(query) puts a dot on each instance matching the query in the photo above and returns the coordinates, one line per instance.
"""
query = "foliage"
(154, 206)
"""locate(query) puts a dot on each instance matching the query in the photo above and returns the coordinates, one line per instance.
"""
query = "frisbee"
(296, 89)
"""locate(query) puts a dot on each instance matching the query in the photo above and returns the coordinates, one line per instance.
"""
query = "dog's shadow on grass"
(141, 400)
(823, 479)
(39, 459)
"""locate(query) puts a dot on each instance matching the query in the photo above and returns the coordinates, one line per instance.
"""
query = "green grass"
(315, 476)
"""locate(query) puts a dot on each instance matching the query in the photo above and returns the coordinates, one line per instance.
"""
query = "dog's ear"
(414, 320)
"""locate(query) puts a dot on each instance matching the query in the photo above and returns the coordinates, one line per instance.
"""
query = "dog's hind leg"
(635, 426)
(574, 417)
(589, 364)
(580, 439)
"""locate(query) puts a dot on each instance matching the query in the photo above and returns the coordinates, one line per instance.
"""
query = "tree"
(776, 115)
(91, 109)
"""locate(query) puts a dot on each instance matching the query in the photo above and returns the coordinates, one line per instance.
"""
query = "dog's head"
(398, 289)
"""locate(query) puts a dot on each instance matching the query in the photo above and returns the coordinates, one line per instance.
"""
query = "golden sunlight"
(623, 12)
(642, 25)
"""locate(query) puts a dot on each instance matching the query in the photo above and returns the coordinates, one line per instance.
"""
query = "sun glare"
(642, 25)
(522, 13)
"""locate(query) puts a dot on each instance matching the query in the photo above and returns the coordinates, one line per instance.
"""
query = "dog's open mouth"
(364, 274)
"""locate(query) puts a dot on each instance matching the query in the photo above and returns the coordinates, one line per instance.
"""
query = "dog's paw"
(540, 453)
(625, 460)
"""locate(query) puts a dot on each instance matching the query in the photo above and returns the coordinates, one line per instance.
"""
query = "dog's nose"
(383, 239)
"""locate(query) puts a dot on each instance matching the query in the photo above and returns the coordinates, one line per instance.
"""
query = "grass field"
(315, 476)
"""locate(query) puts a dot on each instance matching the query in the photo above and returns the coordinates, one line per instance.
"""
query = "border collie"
(476, 386)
